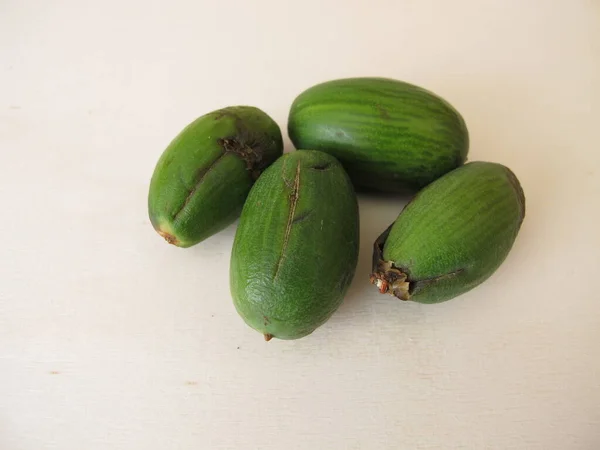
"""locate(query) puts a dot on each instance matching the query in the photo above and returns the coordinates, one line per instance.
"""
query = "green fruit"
(390, 136)
(452, 236)
(203, 177)
(296, 246)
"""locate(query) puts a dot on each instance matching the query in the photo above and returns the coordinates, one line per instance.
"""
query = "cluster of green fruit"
(296, 246)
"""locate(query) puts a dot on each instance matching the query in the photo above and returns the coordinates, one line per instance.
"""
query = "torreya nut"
(452, 236)
(202, 179)
(390, 136)
(296, 246)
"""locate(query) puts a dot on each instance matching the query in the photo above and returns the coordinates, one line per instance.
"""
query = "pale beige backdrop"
(111, 339)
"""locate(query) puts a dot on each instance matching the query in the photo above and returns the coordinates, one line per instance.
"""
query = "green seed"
(296, 246)
(203, 177)
(452, 236)
(390, 135)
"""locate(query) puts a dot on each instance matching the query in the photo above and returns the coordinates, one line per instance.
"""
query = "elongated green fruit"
(452, 236)
(390, 135)
(203, 177)
(296, 246)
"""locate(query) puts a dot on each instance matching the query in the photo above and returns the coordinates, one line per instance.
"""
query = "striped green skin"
(457, 231)
(390, 136)
(202, 179)
(296, 246)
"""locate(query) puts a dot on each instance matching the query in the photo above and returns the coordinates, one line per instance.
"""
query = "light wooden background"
(111, 339)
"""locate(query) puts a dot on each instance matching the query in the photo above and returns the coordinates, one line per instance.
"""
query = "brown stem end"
(390, 280)
(169, 237)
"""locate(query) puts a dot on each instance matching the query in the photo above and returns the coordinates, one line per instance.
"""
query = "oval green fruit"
(452, 236)
(296, 246)
(202, 179)
(390, 136)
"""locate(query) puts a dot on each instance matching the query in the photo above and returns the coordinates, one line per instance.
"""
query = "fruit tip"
(169, 237)
(268, 337)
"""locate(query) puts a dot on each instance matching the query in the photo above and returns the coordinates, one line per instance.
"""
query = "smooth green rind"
(389, 135)
(202, 179)
(454, 234)
(296, 246)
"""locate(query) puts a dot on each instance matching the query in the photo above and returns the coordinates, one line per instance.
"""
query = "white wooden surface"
(111, 339)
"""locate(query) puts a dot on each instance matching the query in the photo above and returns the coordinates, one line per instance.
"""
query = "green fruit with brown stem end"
(202, 179)
(296, 246)
(452, 236)
(389, 135)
